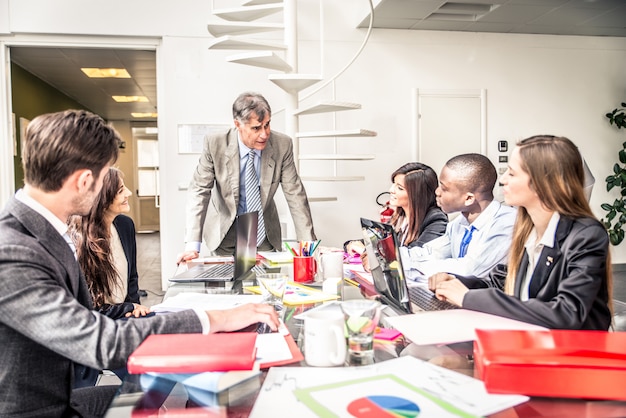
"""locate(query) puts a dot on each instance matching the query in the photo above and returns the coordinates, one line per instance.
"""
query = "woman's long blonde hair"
(556, 172)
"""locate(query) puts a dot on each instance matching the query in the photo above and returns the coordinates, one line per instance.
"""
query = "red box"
(554, 363)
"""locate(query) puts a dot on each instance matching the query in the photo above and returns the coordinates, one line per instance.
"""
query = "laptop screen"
(244, 258)
(245, 246)
(383, 256)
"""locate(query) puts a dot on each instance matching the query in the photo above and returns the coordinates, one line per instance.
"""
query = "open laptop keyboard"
(427, 301)
(219, 270)
(226, 270)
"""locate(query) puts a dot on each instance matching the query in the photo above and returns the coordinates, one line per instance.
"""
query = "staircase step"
(327, 106)
(342, 133)
(265, 59)
(255, 2)
(293, 83)
(248, 13)
(230, 28)
(238, 42)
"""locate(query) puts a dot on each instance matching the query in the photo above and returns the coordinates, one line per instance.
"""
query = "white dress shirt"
(534, 248)
(489, 246)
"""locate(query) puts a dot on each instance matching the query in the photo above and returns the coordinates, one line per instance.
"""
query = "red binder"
(554, 363)
(194, 353)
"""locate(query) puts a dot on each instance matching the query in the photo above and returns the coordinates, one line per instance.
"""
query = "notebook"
(381, 244)
(194, 353)
(246, 226)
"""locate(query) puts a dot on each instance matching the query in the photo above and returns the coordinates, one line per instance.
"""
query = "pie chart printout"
(383, 407)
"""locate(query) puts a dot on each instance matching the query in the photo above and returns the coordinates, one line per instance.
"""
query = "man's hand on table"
(186, 256)
(240, 317)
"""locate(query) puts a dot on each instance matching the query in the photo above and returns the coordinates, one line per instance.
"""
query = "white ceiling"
(60, 67)
(557, 17)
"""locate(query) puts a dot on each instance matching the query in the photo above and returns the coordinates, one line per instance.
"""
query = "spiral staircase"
(234, 29)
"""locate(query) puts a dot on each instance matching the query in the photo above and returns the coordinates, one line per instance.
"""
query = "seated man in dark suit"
(46, 319)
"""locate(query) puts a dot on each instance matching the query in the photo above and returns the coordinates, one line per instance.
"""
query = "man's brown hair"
(58, 144)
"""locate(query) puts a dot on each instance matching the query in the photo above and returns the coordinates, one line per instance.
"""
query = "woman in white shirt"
(107, 251)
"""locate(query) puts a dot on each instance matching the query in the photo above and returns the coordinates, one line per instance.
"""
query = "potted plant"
(616, 213)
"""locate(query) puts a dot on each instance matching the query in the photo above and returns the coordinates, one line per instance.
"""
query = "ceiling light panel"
(130, 99)
(106, 72)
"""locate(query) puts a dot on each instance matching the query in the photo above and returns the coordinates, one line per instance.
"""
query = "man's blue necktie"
(253, 196)
(467, 237)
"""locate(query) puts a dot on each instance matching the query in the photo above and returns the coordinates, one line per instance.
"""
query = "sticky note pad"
(387, 334)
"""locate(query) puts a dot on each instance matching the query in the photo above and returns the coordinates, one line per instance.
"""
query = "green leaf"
(622, 156)
(613, 238)
(606, 207)
(616, 168)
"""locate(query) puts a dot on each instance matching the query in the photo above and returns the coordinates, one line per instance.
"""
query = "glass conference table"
(170, 399)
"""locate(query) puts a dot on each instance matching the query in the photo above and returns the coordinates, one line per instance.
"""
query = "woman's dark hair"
(92, 235)
(420, 182)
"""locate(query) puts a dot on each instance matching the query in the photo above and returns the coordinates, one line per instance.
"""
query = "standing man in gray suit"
(217, 193)
(47, 323)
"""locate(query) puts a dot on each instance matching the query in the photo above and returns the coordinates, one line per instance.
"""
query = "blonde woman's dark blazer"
(568, 287)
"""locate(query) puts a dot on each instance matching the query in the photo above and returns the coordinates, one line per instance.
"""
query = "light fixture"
(106, 72)
(464, 12)
(144, 115)
(130, 99)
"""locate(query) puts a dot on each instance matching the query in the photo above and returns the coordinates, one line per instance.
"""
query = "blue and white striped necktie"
(253, 196)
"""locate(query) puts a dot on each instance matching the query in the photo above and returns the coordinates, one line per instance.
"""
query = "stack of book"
(206, 365)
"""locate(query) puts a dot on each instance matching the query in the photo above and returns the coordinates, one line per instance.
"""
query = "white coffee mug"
(324, 339)
(332, 264)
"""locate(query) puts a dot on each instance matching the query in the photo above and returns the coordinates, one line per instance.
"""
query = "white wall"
(535, 84)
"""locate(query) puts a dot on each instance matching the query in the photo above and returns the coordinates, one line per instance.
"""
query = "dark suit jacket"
(126, 230)
(47, 322)
(568, 288)
(214, 191)
(434, 226)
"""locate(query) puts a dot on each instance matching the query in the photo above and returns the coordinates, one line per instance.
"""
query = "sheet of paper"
(184, 301)
(464, 392)
(277, 257)
(214, 260)
(364, 275)
(384, 393)
(296, 294)
(451, 326)
(272, 347)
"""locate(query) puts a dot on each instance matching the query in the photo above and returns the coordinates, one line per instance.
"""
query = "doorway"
(147, 171)
(63, 56)
(452, 120)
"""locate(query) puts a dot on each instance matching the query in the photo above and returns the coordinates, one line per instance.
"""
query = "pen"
(352, 282)
(291, 249)
(314, 245)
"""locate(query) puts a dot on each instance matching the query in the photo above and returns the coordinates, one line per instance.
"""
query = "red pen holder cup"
(304, 269)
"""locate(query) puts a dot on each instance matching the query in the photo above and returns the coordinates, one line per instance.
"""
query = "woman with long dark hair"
(107, 250)
(417, 219)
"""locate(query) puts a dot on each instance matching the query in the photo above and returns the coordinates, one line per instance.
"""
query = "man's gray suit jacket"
(214, 190)
(46, 320)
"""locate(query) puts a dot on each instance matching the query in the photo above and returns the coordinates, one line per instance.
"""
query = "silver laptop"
(244, 260)
(381, 244)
